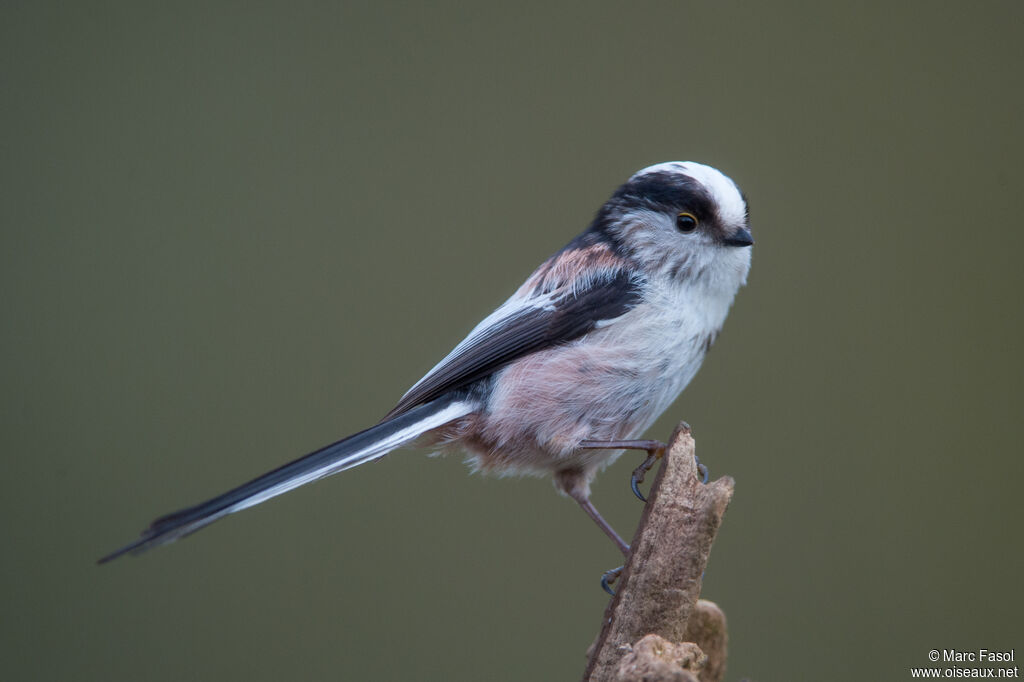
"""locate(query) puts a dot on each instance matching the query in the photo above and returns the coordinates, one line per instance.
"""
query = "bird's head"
(683, 220)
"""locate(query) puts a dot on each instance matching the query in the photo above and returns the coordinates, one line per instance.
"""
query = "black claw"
(702, 470)
(634, 483)
(608, 577)
(605, 586)
(641, 471)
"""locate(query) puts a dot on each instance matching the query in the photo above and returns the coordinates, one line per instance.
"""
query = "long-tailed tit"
(592, 348)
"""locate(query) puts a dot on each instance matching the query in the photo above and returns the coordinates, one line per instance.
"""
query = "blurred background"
(234, 232)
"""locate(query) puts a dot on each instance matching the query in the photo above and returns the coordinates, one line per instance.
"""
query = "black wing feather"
(525, 332)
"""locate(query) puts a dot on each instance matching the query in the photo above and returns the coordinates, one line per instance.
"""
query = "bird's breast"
(610, 384)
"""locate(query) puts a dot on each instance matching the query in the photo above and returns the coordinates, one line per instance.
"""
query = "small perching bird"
(586, 354)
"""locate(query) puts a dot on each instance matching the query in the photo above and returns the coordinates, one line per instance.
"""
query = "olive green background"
(232, 233)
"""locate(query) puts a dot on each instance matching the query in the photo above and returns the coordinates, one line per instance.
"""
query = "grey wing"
(524, 326)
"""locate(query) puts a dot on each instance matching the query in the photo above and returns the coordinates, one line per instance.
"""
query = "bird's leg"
(576, 484)
(584, 501)
(655, 450)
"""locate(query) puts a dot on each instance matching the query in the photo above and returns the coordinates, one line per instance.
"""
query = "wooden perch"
(655, 628)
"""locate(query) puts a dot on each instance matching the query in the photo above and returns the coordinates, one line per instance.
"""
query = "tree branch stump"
(655, 628)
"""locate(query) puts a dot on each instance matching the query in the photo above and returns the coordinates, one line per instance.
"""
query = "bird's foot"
(609, 577)
(702, 470)
(641, 471)
(655, 450)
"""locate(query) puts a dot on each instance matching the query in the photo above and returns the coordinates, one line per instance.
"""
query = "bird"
(564, 375)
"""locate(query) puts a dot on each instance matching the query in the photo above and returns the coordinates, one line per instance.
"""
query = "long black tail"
(365, 446)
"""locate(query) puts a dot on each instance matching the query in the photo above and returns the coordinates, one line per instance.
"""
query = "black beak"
(740, 237)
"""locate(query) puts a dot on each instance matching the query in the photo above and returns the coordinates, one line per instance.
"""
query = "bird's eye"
(686, 222)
